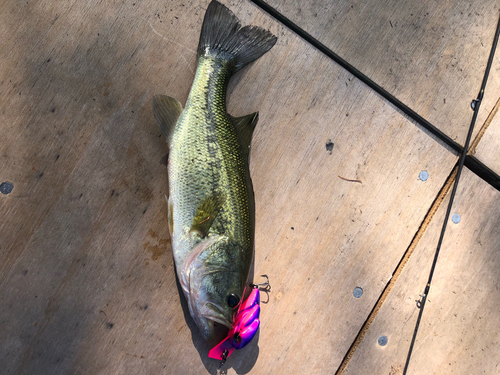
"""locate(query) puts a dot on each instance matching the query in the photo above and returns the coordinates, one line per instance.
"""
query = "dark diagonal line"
(470, 162)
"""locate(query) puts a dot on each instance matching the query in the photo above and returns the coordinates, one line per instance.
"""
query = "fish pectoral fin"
(166, 111)
(244, 126)
(206, 213)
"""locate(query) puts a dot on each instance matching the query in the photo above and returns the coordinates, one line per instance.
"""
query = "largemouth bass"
(211, 211)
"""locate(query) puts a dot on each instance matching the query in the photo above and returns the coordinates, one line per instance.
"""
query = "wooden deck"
(87, 283)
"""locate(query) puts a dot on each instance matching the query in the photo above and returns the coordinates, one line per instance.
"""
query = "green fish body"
(211, 205)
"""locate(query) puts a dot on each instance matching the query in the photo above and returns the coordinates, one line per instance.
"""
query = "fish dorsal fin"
(166, 111)
(206, 213)
(244, 126)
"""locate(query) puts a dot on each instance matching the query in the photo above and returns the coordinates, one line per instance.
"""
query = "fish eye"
(232, 300)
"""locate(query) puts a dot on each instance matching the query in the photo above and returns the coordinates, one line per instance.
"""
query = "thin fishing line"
(476, 103)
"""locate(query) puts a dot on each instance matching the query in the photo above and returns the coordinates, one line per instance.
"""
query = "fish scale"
(205, 158)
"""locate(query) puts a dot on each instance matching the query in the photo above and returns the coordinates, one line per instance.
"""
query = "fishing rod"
(476, 103)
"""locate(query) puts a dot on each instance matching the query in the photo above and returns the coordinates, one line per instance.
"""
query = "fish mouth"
(205, 314)
(205, 326)
(214, 312)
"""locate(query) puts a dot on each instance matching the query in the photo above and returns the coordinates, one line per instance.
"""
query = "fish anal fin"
(205, 214)
(166, 111)
(244, 127)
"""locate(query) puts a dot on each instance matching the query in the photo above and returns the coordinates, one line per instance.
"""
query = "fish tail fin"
(222, 37)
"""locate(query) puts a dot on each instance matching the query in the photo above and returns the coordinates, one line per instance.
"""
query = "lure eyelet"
(237, 337)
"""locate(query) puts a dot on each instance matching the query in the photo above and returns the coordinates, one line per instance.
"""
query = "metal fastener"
(6, 187)
(423, 175)
(358, 292)
(382, 340)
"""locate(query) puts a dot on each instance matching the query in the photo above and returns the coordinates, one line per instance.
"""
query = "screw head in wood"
(456, 218)
(382, 340)
(358, 292)
(6, 187)
(423, 176)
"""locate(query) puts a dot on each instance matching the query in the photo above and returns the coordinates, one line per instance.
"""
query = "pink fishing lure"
(245, 326)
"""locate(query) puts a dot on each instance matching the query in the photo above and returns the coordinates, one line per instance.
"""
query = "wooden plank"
(487, 148)
(459, 329)
(430, 55)
(87, 280)
(488, 141)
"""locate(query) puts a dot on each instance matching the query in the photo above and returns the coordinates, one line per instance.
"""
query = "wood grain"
(430, 55)
(459, 329)
(488, 142)
(87, 282)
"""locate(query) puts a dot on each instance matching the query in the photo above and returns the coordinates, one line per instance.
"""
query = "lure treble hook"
(224, 356)
(265, 286)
